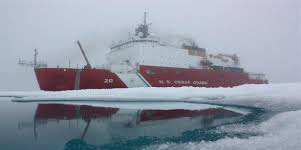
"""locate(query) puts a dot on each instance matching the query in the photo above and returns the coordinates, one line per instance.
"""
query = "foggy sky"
(264, 33)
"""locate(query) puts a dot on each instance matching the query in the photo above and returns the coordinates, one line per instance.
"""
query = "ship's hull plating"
(58, 79)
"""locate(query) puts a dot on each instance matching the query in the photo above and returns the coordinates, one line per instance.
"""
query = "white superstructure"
(144, 49)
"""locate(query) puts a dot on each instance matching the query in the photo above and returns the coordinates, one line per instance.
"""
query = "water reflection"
(76, 126)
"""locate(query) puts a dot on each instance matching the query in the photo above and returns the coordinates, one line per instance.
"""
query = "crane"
(88, 66)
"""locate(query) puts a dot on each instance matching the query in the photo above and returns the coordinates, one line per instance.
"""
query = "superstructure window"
(150, 72)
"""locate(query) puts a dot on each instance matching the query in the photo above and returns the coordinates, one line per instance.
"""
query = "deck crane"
(88, 66)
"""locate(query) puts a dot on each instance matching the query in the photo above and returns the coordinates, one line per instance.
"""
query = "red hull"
(177, 77)
(58, 79)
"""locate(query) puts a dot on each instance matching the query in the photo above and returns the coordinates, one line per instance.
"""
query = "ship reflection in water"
(78, 126)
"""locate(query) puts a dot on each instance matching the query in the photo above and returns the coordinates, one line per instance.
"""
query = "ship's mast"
(35, 63)
(145, 18)
(35, 58)
(142, 30)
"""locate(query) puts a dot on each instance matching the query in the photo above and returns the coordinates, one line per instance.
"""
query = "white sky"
(264, 33)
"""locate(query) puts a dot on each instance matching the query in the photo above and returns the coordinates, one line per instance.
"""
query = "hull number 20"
(108, 81)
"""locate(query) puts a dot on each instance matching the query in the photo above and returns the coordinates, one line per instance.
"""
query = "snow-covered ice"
(276, 97)
(282, 132)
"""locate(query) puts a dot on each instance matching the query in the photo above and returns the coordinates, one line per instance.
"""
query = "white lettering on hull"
(200, 82)
(183, 82)
(108, 81)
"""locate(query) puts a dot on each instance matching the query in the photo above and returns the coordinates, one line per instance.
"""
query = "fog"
(264, 33)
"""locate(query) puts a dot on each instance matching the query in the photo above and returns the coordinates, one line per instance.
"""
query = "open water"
(57, 126)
